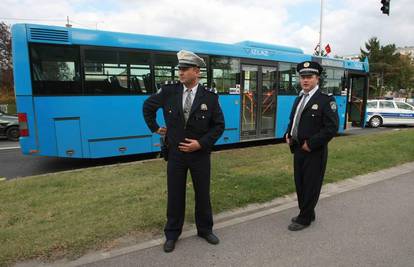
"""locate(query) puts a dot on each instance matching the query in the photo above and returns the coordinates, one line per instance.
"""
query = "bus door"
(357, 99)
(258, 99)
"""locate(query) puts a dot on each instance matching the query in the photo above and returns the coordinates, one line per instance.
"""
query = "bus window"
(140, 80)
(55, 70)
(165, 69)
(269, 76)
(225, 74)
(288, 79)
(284, 78)
(104, 74)
(332, 80)
(295, 85)
(203, 75)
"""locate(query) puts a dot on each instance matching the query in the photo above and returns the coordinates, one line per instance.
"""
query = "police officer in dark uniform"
(313, 123)
(194, 122)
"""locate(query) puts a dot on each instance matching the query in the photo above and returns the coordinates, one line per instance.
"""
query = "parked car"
(389, 112)
(9, 126)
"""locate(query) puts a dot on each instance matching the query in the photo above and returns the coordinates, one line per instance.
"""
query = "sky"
(347, 24)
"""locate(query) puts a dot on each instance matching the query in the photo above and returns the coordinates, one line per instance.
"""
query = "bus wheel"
(13, 133)
(375, 122)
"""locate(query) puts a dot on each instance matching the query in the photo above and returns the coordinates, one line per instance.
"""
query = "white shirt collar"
(311, 92)
(193, 90)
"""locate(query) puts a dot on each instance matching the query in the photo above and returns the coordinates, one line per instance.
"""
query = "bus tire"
(13, 133)
(375, 121)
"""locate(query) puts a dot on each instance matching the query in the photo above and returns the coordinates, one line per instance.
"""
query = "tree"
(5, 47)
(388, 69)
(405, 78)
(372, 52)
(6, 66)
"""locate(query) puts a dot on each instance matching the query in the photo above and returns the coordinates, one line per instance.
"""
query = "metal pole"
(320, 30)
(68, 25)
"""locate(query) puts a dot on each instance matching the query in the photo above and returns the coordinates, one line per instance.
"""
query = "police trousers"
(177, 167)
(309, 171)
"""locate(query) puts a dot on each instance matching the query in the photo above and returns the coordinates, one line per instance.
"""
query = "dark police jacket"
(205, 122)
(319, 121)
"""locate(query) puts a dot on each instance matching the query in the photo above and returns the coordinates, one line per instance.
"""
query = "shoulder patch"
(169, 86)
(211, 90)
(171, 82)
(327, 94)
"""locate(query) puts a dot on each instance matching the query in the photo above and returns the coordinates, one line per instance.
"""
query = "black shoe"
(297, 226)
(169, 246)
(295, 219)
(210, 238)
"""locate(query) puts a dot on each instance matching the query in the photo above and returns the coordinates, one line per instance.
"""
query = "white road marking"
(9, 148)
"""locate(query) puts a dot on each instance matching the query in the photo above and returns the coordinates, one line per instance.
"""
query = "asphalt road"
(14, 164)
(369, 226)
(6, 144)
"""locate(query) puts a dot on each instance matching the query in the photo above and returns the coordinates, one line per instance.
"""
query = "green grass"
(67, 214)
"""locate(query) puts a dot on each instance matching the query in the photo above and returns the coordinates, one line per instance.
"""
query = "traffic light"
(385, 7)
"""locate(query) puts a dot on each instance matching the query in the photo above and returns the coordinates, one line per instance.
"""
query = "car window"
(372, 104)
(405, 106)
(386, 104)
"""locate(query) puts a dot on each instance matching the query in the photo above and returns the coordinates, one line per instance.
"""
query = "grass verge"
(67, 214)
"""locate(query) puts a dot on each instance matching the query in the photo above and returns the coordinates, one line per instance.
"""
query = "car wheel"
(375, 122)
(13, 133)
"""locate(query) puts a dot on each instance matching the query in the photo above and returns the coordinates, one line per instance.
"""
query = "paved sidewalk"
(365, 221)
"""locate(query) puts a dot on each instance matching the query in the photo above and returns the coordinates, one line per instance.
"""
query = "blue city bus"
(80, 92)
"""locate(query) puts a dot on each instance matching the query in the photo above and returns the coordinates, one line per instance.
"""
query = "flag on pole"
(327, 49)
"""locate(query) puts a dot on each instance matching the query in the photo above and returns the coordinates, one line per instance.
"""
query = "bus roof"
(245, 49)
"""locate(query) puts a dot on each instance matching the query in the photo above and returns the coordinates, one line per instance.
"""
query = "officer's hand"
(161, 131)
(288, 140)
(190, 145)
(306, 147)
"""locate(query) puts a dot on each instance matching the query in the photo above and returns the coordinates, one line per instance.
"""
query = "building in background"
(408, 50)
(354, 57)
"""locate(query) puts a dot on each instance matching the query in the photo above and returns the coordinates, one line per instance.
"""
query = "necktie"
(187, 105)
(297, 119)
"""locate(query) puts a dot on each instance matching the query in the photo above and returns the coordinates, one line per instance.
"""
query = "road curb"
(252, 212)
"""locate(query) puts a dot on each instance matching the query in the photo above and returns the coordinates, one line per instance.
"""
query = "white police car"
(389, 112)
